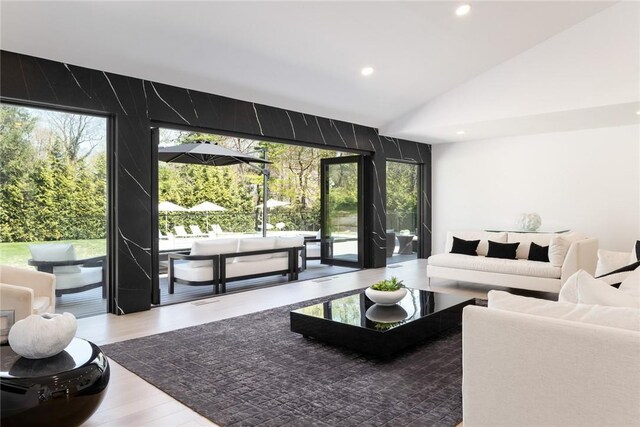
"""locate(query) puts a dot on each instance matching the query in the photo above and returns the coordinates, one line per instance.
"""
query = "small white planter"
(385, 297)
(40, 336)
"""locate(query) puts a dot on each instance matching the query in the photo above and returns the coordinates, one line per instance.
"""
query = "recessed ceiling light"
(460, 132)
(463, 10)
(638, 112)
(367, 71)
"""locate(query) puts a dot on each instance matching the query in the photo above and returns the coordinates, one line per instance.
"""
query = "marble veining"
(132, 256)
(73, 76)
(114, 92)
(135, 180)
(257, 118)
(193, 105)
(168, 105)
(320, 129)
(53, 91)
(293, 129)
(338, 131)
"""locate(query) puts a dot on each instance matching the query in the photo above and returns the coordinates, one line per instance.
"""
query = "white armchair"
(26, 292)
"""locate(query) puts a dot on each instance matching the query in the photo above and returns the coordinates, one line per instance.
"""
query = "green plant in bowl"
(388, 285)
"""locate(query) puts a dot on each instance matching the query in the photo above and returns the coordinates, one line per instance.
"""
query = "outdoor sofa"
(218, 261)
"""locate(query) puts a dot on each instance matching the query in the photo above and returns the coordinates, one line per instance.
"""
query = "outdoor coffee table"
(355, 322)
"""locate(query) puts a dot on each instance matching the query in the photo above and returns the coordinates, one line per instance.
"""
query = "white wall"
(587, 181)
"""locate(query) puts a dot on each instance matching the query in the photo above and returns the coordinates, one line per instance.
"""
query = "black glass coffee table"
(358, 323)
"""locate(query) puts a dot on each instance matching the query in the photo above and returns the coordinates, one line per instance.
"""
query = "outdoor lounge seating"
(72, 274)
(216, 262)
(196, 232)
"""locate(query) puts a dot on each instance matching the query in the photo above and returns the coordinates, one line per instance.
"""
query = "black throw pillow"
(637, 250)
(502, 250)
(616, 277)
(465, 247)
(538, 253)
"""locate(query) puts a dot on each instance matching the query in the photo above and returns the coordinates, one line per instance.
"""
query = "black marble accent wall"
(133, 105)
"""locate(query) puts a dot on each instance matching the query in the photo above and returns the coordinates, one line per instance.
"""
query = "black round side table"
(63, 390)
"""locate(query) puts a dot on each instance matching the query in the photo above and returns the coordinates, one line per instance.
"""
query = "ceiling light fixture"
(638, 112)
(460, 132)
(367, 71)
(463, 10)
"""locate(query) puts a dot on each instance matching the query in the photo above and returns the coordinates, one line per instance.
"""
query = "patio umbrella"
(167, 207)
(205, 153)
(207, 207)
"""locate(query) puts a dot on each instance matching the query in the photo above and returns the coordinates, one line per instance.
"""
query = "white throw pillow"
(558, 248)
(631, 284)
(616, 317)
(582, 288)
(609, 261)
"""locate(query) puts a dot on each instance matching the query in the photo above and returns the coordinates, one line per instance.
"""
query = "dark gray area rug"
(252, 370)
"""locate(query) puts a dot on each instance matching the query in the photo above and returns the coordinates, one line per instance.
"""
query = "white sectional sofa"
(529, 362)
(581, 253)
(218, 261)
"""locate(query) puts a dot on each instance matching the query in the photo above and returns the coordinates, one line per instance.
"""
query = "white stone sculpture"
(40, 336)
(529, 221)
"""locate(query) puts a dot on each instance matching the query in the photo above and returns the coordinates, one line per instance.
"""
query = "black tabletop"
(78, 353)
(358, 310)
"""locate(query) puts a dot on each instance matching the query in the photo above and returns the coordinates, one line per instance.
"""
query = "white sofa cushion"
(582, 288)
(519, 267)
(609, 261)
(55, 252)
(483, 236)
(525, 239)
(631, 284)
(212, 247)
(558, 248)
(616, 317)
(255, 244)
(287, 242)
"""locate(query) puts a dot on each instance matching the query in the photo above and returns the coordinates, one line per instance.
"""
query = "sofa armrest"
(525, 370)
(43, 284)
(582, 255)
(17, 298)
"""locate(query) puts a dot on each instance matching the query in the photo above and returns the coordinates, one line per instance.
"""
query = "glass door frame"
(326, 256)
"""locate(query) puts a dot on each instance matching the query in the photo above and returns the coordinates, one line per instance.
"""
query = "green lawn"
(17, 254)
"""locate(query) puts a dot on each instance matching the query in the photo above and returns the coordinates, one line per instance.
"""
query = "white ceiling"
(303, 56)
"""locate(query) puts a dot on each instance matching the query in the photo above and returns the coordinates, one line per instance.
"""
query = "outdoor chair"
(216, 229)
(181, 232)
(196, 232)
(24, 292)
(72, 274)
(280, 226)
(162, 236)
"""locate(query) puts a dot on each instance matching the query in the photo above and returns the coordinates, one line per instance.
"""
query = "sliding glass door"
(341, 211)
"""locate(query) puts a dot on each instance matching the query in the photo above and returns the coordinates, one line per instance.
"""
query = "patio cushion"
(212, 247)
(55, 252)
(255, 244)
(256, 267)
(85, 276)
(287, 242)
(182, 270)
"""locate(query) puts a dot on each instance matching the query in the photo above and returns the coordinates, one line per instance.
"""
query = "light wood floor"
(130, 401)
